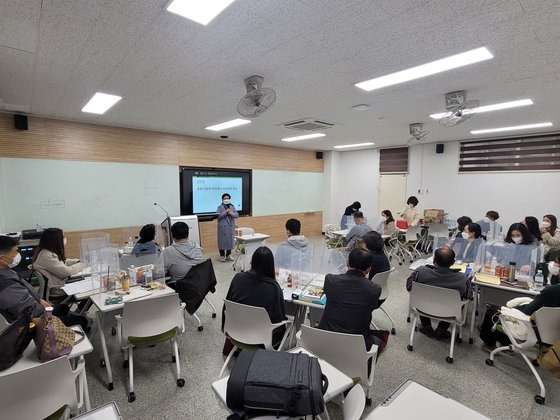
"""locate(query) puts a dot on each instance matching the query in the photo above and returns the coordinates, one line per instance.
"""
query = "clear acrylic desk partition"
(143, 269)
(500, 254)
(91, 244)
(329, 261)
(108, 268)
(468, 252)
(495, 232)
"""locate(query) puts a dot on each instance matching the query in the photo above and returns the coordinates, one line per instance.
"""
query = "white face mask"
(545, 224)
(226, 201)
(517, 240)
(553, 268)
(383, 217)
(411, 206)
(465, 235)
(15, 261)
(64, 241)
(487, 220)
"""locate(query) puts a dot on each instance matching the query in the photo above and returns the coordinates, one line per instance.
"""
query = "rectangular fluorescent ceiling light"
(438, 66)
(304, 137)
(228, 124)
(487, 108)
(201, 11)
(514, 128)
(346, 146)
(100, 103)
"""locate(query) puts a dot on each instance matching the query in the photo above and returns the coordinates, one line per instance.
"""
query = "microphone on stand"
(156, 204)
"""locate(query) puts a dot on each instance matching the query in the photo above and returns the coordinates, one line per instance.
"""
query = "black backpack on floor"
(281, 383)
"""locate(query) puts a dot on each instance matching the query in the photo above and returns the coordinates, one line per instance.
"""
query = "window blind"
(394, 160)
(527, 153)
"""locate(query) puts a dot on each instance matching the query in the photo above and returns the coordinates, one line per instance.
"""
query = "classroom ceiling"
(178, 76)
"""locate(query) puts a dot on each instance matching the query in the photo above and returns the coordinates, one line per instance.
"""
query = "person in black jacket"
(258, 287)
(351, 298)
(379, 261)
(349, 211)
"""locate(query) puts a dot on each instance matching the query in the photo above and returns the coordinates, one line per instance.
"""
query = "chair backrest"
(548, 324)
(382, 280)
(412, 233)
(38, 392)
(247, 231)
(3, 323)
(346, 352)
(149, 317)
(440, 229)
(42, 284)
(248, 324)
(354, 403)
(436, 301)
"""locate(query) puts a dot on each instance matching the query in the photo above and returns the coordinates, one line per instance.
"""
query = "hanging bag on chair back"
(551, 360)
(282, 383)
(15, 339)
(53, 339)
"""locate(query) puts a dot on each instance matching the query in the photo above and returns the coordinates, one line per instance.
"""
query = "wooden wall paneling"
(64, 140)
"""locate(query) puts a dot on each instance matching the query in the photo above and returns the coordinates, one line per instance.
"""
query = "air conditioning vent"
(308, 124)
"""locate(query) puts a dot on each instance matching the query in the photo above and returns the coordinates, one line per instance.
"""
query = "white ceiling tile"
(19, 23)
(16, 76)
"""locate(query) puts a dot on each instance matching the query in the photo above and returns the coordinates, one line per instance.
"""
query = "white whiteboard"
(85, 195)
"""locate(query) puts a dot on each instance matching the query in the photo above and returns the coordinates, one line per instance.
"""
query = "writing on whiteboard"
(52, 204)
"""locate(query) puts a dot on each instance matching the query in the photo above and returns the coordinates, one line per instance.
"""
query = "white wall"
(349, 177)
(512, 195)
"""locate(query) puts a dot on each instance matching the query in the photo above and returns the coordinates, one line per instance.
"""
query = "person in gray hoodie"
(295, 253)
(183, 254)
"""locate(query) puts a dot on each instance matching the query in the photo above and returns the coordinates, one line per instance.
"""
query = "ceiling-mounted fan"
(416, 132)
(459, 109)
(257, 100)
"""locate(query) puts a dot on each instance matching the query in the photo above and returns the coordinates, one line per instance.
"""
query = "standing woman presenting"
(410, 212)
(226, 227)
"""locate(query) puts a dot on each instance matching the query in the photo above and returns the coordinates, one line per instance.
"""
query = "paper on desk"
(287, 293)
(461, 268)
(81, 286)
(488, 278)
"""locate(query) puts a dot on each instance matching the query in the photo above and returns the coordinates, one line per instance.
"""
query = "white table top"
(343, 232)
(338, 381)
(306, 279)
(136, 293)
(506, 287)
(412, 400)
(252, 237)
(29, 358)
(86, 272)
(107, 411)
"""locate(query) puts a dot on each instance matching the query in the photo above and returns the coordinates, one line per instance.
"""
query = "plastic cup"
(126, 284)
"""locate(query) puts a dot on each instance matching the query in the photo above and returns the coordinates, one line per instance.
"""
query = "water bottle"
(539, 279)
(38, 226)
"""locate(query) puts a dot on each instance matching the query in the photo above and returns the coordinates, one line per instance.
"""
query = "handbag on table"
(52, 338)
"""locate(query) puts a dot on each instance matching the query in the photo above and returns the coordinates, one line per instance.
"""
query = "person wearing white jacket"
(550, 233)
(50, 259)
(410, 212)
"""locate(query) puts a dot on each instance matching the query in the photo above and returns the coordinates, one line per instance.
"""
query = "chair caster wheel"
(408, 319)
(131, 397)
(400, 263)
(200, 328)
(535, 362)
(489, 362)
(110, 386)
(471, 341)
(125, 364)
(173, 359)
(393, 331)
(459, 340)
(539, 399)
(411, 261)
(213, 315)
(102, 363)
(449, 359)
(180, 383)
(113, 331)
(409, 347)
(368, 401)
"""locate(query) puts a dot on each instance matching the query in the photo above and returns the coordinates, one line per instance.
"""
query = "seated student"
(296, 250)
(548, 297)
(351, 298)
(518, 234)
(532, 224)
(146, 244)
(489, 224)
(461, 223)
(379, 262)
(467, 246)
(349, 211)
(440, 275)
(50, 260)
(179, 257)
(389, 225)
(16, 295)
(410, 212)
(358, 231)
(258, 287)
(550, 234)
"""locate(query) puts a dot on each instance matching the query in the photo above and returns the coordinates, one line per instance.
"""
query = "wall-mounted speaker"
(439, 148)
(20, 122)
(319, 155)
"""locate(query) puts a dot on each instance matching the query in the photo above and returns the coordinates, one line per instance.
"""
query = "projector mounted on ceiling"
(416, 133)
(257, 100)
(459, 109)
